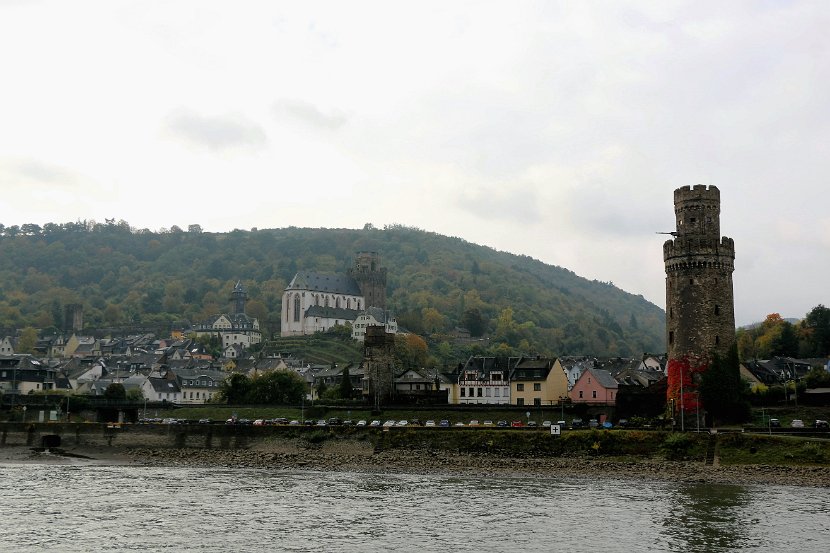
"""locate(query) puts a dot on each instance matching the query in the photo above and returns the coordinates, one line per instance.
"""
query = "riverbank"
(359, 456)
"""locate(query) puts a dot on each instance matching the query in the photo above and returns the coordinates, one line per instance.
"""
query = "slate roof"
(603, 377)
(322, 282)
(332, 312)
(163, 385)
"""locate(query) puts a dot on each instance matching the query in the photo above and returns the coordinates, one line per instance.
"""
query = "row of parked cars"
(334, 421)
(798, 423)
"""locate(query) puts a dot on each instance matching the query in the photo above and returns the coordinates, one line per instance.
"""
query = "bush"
(676, 446)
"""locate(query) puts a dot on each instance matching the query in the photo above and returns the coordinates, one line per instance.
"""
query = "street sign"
(555, 430)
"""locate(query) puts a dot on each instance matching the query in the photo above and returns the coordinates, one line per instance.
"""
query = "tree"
(817, 327)
(235, 389)
(28, 340)
(115, 391)
(723, 392)
(473, 321)
(346, 389)
(411, 350)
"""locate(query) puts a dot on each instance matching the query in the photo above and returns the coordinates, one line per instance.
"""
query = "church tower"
(700, 311)
(371, 278)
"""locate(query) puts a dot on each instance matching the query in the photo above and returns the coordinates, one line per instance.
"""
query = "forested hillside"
(126, 278)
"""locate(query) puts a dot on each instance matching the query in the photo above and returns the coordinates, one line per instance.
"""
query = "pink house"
(595, 386)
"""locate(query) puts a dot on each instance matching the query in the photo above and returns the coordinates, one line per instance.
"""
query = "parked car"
(516, 424)
(389, 423)
(321, 422)
(576, 423)
(622, 423)
(487, 423)
(334, 421)
(775, 423)
(797, 423)
(361, 423)
(532, 424)
(502, 424)
(593, 423)
(205, 421)
(402, 423)
(444, 423)
(546, 424)
(562, 424)
(294, 422)
(459, 423)
(429, 423)
(474, 422)
(375, 423)
(821, 424)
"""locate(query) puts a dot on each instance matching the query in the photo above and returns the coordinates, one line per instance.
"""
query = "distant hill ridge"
(125, 277)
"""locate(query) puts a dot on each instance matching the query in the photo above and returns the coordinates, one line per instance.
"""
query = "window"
(520, 387)
(671, 336)
(480, 392)
(537, 387)
(296, 308)
(537, 401)
(717, 310)
(594, 394)
(520, 401)
(472, 392)
(497, 392)
(487, 392)
(463, 391)
(580, 394)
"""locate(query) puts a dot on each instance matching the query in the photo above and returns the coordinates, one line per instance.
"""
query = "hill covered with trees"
(127, 279)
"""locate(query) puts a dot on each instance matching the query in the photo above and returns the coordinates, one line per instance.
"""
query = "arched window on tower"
(296, 308)
(337, 302)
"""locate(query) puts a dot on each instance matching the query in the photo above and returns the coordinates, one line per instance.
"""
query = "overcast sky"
(557, 130)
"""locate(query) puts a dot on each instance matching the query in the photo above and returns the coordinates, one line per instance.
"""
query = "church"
(315, 302)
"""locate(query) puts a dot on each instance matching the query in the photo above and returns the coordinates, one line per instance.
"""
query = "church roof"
(322, 282)
(332, 312)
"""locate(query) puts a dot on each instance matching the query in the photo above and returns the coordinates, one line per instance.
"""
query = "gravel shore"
(361, 457)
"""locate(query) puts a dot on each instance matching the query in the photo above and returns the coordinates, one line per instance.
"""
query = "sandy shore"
(360, 457)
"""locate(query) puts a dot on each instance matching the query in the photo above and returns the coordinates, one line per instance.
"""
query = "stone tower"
(239, 297)
(371, 278)
(700, 312)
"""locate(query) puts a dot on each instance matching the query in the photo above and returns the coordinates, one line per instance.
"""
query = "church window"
(349, 303)
(296, 308)
(717, 340)
(337, 302)
(358, 304)
(717, 310)
(327, 301)
(671, 336)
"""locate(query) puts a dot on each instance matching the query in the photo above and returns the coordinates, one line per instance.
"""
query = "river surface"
(125, 508)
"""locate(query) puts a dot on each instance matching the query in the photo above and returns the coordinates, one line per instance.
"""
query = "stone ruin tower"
(371, 278)
(700, 311)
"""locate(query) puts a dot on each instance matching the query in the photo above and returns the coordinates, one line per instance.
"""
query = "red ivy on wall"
(687, 369)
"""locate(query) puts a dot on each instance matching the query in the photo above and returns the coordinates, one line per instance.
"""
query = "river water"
(124, 508)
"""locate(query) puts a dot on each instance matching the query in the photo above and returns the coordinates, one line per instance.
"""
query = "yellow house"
(538, 381)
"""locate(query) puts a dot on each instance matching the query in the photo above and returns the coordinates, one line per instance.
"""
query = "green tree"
(276, 388)
(473, 321)
(817, 327)
(723, 392)
(345, 388)
(235, 389)
(115, 391)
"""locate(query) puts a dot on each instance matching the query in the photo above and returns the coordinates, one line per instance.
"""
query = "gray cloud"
(215, 133)
(311, 114)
